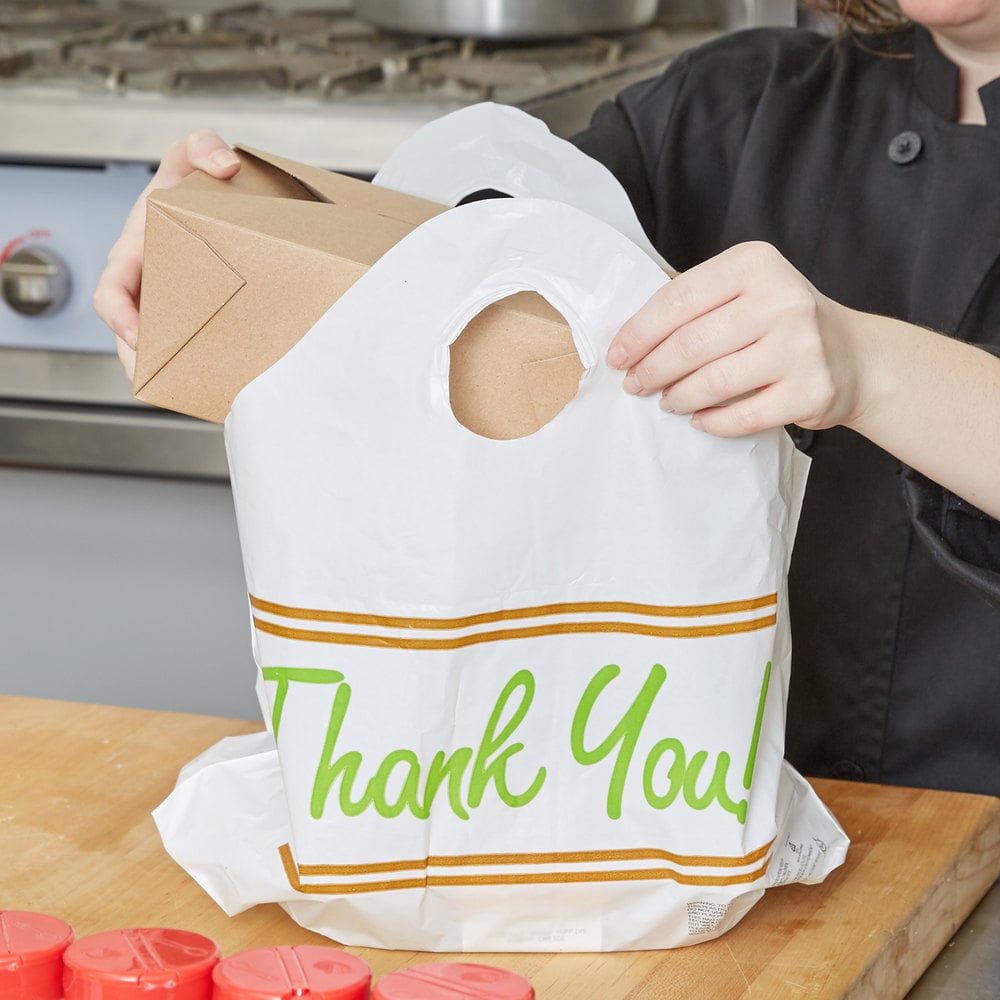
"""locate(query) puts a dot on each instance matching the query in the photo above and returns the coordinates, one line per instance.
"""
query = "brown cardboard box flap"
(236, 272)
(190, 283)
(324, 185)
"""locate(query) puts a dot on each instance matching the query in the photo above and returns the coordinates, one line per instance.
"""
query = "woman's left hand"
(116, 297)
(744, 343)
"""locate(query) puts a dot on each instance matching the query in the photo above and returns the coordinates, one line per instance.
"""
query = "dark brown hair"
(867, 16)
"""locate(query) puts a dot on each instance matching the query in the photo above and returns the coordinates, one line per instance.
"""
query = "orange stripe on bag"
(539, 858)
(511, 614)
(292, 872)
(528, 632)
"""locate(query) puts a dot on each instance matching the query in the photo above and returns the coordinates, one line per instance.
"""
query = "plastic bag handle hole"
(513, 368)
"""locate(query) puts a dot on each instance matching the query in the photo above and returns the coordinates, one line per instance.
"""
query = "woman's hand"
(116, 297)
(744, 343)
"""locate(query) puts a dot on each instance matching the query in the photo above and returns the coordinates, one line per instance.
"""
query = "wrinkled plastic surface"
(499, 148)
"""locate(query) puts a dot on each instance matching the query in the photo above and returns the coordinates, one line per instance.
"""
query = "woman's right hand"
(116, 297)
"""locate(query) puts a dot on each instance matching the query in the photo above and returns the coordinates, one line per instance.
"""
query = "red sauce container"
(453, 981)
(287, 971)
(140, 963)
(31, 955)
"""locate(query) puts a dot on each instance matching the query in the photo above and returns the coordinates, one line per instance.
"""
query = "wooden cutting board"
(76, 840)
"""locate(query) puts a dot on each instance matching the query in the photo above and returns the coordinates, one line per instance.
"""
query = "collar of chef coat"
(938, 82)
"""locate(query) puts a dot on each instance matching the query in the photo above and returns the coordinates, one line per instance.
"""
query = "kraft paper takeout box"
(236, 272)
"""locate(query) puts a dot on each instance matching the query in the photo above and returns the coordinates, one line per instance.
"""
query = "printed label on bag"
(566, 936)
(798, 860)
(705, 916)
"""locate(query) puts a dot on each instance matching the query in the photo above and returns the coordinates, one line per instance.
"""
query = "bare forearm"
(743, 342)
(934, 403)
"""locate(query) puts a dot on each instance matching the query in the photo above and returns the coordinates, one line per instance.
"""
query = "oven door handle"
(133, 441)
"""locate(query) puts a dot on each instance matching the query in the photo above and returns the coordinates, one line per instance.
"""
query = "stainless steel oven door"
(74, 411)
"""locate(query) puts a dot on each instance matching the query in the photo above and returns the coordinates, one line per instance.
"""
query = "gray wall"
(123, 590)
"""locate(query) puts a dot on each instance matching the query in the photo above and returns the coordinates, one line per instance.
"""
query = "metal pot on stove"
(507, 19)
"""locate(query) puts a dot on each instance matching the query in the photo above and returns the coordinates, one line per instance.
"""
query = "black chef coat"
(846, 156)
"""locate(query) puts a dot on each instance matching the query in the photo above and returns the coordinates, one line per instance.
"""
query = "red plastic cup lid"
(453, 981)
(292, 971)
(152, 963)
(31, 955)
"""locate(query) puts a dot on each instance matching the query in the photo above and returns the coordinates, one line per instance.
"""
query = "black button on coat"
(781, 135)
(905, 147)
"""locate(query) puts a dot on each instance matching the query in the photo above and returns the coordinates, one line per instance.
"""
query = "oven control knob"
(34, 281)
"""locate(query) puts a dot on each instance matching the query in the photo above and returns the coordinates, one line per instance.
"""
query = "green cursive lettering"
(485, 770)
(625, 734)
(301, 675)
(401, 769)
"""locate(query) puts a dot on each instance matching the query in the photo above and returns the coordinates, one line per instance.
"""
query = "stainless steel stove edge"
(74, 411)
(352, 138)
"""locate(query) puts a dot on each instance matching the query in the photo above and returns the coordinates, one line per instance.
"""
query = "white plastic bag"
(492, 146)
(527, 694)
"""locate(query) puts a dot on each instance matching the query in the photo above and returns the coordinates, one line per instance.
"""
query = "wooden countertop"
(78, 782)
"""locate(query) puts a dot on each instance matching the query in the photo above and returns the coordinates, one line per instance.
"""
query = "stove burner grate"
(224, 47)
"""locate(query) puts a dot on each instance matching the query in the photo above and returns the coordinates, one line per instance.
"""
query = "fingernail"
(131, 337)
(224, 158)
(617, 356)
(632, 383)
(696, 422)
(665, 406)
